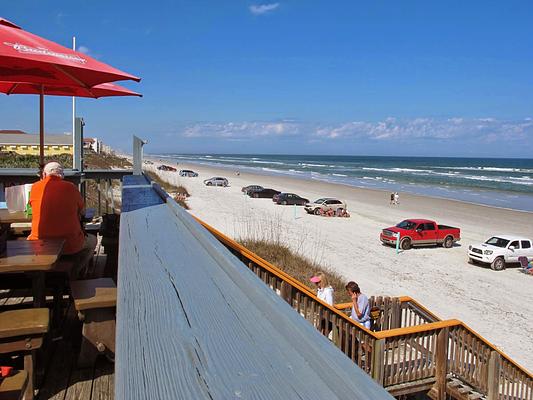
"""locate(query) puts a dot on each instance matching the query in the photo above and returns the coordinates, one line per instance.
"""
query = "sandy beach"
(498, 305)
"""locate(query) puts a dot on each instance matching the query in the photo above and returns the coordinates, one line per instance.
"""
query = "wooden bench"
(95, 300)
(12, 387)
(22, 331)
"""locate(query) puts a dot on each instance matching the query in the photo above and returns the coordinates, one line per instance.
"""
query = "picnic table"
(34, 258)
(7, 217)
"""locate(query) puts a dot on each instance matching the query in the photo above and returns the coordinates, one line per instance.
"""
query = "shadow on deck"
(58, 377)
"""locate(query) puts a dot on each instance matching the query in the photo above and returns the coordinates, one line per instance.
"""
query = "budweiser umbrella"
(103, 90)
(27, 58)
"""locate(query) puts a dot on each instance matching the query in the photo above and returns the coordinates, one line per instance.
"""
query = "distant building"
(14, 131)
(23, 143)
(91, 144)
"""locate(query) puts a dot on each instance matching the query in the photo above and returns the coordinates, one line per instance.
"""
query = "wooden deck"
(58, 377)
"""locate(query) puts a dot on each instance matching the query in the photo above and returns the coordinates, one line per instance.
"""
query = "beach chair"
(375, 315)
(526, 268)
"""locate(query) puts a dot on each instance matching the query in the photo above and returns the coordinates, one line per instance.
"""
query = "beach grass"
(179, 193)
(9, 159)
(296, 265)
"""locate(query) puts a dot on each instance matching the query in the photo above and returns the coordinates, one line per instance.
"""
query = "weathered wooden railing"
(396, 312)
(413, 350)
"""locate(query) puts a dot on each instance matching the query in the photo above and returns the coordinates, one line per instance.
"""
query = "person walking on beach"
(360, 305)
(396, 198)
(391, 198)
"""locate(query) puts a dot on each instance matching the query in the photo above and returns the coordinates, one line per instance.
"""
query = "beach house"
(28, 144)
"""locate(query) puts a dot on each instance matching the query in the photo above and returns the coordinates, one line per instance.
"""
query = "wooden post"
(378, 367)
(29, 366)
(285, 292)
(493, 378)
(441, 362)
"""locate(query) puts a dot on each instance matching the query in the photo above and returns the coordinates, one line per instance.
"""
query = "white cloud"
(84, 50)
(390, 129)
(243, 130)
(261, 9)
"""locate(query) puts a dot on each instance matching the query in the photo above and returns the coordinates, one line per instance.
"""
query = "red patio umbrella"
(25, 57)
(28, 58)
(103, 90)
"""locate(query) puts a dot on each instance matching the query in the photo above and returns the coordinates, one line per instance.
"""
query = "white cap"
(53, 168)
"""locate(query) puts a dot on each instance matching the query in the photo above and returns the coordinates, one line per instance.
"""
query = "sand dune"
(498, 305)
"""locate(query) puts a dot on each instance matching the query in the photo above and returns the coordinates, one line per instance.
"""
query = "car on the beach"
(265, 193)
(325, 204)
(251, 188)
(216, 181)
(420, 232)
(498, 251)
(290, 199)
(164, 167)
(188, 173)
(148, 162)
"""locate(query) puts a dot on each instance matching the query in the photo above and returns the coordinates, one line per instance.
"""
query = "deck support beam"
(493, 378)
(441, 362)
(378, 367)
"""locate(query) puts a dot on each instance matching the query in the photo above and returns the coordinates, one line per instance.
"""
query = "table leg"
(38, 289)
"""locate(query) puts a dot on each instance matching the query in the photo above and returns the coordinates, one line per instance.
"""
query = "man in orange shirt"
(57, 206)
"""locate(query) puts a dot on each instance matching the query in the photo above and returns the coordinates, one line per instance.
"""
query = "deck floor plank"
(104, 380)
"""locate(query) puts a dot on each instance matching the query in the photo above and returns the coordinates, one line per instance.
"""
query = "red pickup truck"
(420, 232)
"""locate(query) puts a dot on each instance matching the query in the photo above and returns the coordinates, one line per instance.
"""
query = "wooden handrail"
(407, 299)
(417, 328)
(403, 299)
(494, 348)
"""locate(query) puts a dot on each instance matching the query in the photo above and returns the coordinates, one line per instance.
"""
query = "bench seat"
(27, 322)
(95, 300)
(12, 387)
(23, 331)
(94, 293)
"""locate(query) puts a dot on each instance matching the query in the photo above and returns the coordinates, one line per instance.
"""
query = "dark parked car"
(290, 199)
(264, 194)
(251, 188)
(166, 168)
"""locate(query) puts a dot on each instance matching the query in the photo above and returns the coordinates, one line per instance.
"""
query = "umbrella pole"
(41, 128)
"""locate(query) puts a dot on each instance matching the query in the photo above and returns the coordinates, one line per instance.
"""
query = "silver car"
(216, 181)
(325, 204)
(188, 173)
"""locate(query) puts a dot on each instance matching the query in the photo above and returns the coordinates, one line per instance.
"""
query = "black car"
(290, 199)
(264, 193)
(166, 168)
(251, 188)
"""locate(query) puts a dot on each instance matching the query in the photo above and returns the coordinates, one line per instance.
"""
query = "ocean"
(498, 182)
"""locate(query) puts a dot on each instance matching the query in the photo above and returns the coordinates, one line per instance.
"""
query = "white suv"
(500, 250)
(325, 204)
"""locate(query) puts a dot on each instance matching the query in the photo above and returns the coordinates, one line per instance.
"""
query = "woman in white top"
(324, 289)
(325, 293)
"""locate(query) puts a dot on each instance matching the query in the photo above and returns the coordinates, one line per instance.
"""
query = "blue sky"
(422, 78)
